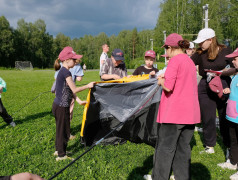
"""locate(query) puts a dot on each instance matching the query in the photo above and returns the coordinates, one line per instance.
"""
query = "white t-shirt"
(103, 56)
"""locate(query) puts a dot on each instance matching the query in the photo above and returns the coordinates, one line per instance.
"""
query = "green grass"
(29, 146)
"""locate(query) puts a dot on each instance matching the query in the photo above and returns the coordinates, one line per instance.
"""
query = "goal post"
(23, 65)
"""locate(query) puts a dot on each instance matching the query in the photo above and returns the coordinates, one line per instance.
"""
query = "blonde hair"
(57, 64)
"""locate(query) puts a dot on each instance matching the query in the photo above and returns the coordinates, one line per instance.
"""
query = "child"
(77, 75)
(148, 67)
(65, 91)
(3, 112)
(232, 117)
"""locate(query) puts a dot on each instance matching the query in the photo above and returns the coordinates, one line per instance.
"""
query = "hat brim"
(150, 56)
(199, 40)
(232, 55)
(119, 58)
(77, 56)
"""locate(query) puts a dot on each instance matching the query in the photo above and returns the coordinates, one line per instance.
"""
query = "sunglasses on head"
(166, 47)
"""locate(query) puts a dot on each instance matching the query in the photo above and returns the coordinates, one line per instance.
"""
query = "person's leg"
(71, 109)
(165, 150)
(182, 159)
(208, 117)
(234, 143)
(3, 113)
(223, 122)
(62, 129)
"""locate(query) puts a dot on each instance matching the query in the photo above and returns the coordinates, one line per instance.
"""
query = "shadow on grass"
(199, 171)
(34, 117)
(139, 172)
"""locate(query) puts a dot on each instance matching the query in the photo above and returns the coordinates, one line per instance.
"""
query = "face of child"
(235, 62)
(189, 52)
(149, 61)
(71, 63)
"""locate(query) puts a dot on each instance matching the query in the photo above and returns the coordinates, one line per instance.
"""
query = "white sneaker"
(227, 165)
(71, 137)
(234, 176)
(198, 129)
(56, 153)
(13, 124)
(172, 177)
(147, 177)
(208, 150)
(63, 158)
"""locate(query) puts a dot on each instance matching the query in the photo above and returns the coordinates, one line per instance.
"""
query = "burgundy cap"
(68, 53)
(172, 40)
(150, 53)
(234, 54)
(216, 86)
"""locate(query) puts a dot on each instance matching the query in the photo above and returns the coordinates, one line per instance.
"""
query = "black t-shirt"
(219, 63)
(142, 70)
(63, 92)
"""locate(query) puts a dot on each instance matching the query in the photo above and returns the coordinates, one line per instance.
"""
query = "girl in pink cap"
(178, 113)
(65, 91)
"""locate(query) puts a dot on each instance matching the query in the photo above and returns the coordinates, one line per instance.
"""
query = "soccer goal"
(23, 65)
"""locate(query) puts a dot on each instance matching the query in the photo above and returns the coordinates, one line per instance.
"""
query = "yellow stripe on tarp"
(122, 80)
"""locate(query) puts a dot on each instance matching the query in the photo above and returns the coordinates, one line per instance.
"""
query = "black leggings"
(209, 102)
(3, 113)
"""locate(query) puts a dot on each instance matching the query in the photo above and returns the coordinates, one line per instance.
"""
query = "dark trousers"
(173, 151)
(62, 119)
(3, 113)
(234, 143)
(209, 102)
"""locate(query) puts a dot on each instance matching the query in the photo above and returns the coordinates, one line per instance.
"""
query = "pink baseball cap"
(150, 53)
(172, 40)
(234, 54)
(68, 53)
(216, 86)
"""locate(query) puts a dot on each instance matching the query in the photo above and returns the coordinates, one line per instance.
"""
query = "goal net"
(23, 65)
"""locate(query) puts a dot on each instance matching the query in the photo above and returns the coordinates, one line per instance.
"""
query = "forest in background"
(30, 41)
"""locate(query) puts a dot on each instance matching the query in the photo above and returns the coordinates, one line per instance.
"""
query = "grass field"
(29, 147)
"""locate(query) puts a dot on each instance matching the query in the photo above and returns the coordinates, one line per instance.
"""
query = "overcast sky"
(75, 18)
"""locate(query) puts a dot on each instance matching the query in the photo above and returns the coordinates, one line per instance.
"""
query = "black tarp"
(135, 103)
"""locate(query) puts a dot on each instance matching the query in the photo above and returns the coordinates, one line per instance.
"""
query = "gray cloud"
(75, 18)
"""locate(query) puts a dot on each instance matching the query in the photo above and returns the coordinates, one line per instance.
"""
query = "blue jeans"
(173, 151)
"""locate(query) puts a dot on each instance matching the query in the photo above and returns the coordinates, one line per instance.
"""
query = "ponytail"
(184, 44)
(57, 64)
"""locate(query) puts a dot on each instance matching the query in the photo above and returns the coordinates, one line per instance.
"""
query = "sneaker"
(172, 177)
(227, 165)
(234, 176)
(198, 129)
(63, 158)
(71, 137)
(208, 150)
(13, 124)
(56, 153)
(147, 177)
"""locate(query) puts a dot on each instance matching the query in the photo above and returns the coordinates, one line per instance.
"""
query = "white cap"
(191, 45)
(204, 34)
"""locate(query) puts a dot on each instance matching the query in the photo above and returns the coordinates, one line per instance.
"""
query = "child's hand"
(90, 85)
(226, 91)
(160, 80)
(160, 76)
(82, 102)
(1, 89)
(152, 73)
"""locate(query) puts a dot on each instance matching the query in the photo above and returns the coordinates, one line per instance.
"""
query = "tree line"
(31, 42)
